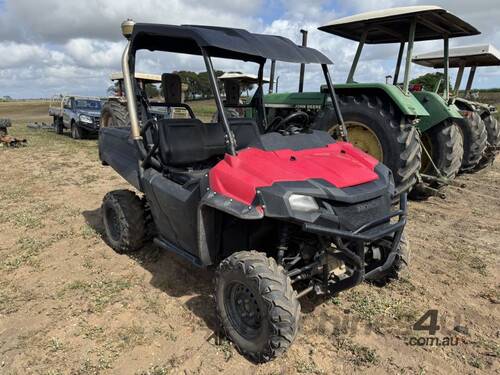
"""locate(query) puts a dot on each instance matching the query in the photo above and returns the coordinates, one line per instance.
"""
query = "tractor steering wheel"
(295, 117)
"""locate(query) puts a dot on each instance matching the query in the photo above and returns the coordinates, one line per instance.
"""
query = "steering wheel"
(295, 117)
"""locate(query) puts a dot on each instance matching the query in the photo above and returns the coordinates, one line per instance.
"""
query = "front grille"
(353, 216)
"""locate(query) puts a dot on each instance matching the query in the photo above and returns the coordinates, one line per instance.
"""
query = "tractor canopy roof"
(393, 25)
(242, 77)
(478, 55)
(145, 77)
(221, 42)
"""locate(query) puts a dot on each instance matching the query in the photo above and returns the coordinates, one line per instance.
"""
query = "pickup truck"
(80, 114)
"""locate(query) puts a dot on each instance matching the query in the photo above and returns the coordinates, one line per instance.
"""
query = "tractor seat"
(188, 142)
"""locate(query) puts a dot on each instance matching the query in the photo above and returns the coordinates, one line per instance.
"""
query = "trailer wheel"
(124, 220)
(444, 144)
(376, 127)
(114, 115)
(256, 305)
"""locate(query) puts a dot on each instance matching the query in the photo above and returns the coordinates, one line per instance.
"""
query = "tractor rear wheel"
(493, 140)
(256, 305)
(475, 140)
(114, 114)
(375, 126)
(124, 220)
(443, 148)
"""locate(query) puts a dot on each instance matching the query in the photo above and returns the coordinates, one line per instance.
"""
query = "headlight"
(303, 203)
(87, 119)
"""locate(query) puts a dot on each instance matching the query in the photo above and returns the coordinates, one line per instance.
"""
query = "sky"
(49, 47)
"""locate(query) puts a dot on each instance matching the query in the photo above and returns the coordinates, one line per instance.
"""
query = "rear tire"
(397, 138)
(444, 143)
(493, 142)
(58, 126)
(124, 220)
(256, 305)
(475, 140)
(114, 114)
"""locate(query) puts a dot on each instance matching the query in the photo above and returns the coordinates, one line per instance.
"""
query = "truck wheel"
(256, 305)
(376, 127)
(114, 115)
(124, 220)
(475, 140)
(77, 132)
(58, 126)
(400, 265)
(444, 144)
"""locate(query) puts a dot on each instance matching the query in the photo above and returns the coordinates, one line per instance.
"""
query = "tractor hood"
(338, 165)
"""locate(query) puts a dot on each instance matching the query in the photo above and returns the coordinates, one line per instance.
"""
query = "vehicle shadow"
(171, 274)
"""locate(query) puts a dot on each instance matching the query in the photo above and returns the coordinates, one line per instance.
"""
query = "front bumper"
(91, 128)
(368, 232)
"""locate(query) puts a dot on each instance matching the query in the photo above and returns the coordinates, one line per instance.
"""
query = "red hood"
(340, 164)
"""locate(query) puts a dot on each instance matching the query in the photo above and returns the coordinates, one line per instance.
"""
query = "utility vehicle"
(280, 211)
(471, 57)
(114, 111)
(80, 114)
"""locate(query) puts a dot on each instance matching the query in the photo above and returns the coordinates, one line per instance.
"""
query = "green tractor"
(383, 118)
(486, 133)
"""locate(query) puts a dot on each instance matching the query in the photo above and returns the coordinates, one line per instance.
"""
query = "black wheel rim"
(112, 223)
(243, 309)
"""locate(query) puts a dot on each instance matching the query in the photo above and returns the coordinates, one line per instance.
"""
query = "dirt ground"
(70, 305)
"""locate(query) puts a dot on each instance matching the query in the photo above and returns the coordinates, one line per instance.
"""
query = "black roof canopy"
(393, 25)
(222, 42)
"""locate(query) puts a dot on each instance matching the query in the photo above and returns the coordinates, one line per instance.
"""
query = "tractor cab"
(436, 117)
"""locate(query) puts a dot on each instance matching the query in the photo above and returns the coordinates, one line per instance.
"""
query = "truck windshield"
(88, 104)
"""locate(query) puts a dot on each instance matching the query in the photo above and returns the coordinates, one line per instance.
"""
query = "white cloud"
(51, 46)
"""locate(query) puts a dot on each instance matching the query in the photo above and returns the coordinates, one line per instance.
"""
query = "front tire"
(400, 264)
(256, 305)
(77, 132)
(475, 140)
(444, 144)
(124, 220)
(376, 127)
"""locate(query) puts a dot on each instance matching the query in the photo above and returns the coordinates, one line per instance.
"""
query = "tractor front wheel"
(256, 305)
(442, 149)
(375, 126)
(475, 140)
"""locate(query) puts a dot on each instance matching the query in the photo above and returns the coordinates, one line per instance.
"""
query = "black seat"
(186, 142)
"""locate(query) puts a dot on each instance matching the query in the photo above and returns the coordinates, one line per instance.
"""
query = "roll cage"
(219, 42)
